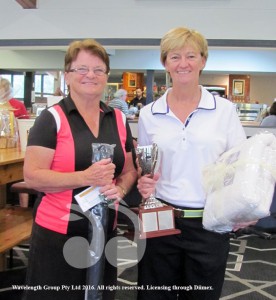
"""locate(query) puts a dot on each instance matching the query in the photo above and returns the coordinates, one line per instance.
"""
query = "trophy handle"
(154, 158)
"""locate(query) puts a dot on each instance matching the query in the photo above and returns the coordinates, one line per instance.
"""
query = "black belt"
(185, 212)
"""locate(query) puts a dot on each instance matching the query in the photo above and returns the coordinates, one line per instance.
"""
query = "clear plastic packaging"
(240, 185)
(8, 128)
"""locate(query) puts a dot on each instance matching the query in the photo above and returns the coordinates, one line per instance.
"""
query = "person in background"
(270, 120)
(192, 129)
(19, 111)
(58, 164)
(119, 102)
(139, 100)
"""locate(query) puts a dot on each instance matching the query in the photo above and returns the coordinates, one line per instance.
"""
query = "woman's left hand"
(146, 185)
(243, 225)
(111, 192)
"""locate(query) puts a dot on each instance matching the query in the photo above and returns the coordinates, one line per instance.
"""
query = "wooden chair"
(15, 227)
(21, 188)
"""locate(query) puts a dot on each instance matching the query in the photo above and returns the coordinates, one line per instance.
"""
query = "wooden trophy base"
(156, 222)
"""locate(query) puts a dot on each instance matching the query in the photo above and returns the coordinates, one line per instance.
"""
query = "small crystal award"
(155, 218)
(101, 151)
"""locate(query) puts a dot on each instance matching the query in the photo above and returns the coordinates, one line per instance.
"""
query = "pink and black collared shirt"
(62, 128)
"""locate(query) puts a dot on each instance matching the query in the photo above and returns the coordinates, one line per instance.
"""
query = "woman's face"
(184, 65)
(93, 82)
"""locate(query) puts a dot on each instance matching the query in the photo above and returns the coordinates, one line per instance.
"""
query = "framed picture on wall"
(132, 79)
(238, 87)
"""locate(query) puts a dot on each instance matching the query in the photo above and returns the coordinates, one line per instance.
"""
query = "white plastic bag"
(240, 185)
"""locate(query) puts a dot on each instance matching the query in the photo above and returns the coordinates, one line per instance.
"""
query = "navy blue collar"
(207, 102)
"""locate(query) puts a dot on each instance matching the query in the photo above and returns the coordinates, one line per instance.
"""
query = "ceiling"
(121, 15)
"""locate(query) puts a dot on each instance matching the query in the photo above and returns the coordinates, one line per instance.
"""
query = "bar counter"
(253, 129)
(15, 222)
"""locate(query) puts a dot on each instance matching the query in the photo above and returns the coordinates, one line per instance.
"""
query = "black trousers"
(190, 265)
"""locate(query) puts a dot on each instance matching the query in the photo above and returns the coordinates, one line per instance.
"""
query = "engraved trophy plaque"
(155, 218)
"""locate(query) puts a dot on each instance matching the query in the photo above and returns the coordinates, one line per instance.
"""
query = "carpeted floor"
(251, 270)
(15, 275)
(250, 274)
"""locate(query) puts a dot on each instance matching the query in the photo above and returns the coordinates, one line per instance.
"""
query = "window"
(18, 86)
(17, 82)
(38, 85)
(44, 85)
(48, 85)
(6, 76)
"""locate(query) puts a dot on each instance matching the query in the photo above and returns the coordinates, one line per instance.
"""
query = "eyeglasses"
(84, 70)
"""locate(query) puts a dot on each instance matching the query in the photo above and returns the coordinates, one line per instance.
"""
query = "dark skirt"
(57, 271)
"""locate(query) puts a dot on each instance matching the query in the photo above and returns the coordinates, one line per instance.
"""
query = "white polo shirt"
(212, 129)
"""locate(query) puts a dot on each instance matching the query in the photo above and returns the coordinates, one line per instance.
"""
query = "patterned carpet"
(251, 270)
(250, 274)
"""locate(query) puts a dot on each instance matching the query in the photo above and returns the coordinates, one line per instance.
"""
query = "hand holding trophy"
(155, 218)
(101, 151)
(149, 161)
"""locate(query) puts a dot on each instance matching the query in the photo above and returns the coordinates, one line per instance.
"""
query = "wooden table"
(15, 227)
(11, 169)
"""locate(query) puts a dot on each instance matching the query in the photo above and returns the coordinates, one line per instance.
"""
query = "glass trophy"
(155, 218)
(97, 230)
(101, 151)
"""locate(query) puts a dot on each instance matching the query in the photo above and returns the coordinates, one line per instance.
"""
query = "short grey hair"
(120, 93)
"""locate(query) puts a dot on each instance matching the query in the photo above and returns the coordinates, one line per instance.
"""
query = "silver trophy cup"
(149, 161)
(155, 218)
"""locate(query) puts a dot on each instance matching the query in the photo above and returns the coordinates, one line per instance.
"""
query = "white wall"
(220, 60)
(128, 19)
(263, 88)
(32, 60)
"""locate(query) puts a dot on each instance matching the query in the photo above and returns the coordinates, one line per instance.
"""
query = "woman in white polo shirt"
(192, 128)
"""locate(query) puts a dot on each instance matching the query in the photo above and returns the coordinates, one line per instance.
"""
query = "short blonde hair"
(89, 45)
(179, 37)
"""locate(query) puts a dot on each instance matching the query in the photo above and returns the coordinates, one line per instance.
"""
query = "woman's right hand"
(146, 185)
(100, 173)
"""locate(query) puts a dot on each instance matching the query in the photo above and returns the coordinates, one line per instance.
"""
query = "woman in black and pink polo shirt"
(58, 164)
